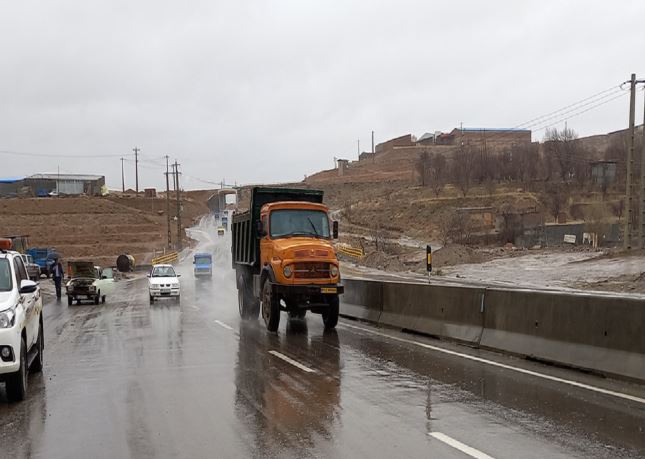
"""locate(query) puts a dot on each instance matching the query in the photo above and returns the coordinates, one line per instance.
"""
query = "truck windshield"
(5, 275)
(299, 222)
(201, 260)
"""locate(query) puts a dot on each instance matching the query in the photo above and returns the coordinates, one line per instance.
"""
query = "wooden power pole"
(136, 168)
(627, 241)
(168, 203)
(177, 193)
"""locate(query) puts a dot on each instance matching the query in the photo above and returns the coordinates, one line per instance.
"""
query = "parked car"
(21, 325)
(163, 282)
(88, 282)
(33, 270)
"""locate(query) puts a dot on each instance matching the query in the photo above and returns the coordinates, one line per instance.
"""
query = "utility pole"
(641, 226)
(136, 167)
(373, 154)
(358, 147)
(627, 242)
(168, 203)
(176, 168)
(122, 176)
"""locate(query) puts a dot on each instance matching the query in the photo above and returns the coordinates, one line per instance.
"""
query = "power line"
(56, 155)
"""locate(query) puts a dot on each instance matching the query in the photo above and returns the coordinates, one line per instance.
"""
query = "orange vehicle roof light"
(5, 244)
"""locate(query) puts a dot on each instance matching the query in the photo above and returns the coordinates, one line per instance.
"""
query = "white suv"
(163, 283)
(21, 325)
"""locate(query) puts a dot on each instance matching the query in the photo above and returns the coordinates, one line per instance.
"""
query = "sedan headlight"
(334, 270)
(174, 285)
(6, 318)
(287, 271)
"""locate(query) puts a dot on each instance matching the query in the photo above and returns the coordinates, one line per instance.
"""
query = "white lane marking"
(599, 390)
(472, 452)
(292, 362)
(222, 324)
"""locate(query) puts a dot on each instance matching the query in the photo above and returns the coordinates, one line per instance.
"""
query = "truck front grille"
(311, 270)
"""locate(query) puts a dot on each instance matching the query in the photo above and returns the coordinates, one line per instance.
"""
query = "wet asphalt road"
(127, 379)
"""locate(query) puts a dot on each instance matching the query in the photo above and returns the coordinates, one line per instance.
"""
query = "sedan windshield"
(299, 222)
(163, 271)
(5, 275)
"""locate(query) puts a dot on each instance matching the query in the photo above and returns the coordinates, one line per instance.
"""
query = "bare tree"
(462, 169)
(562, 147)
(422, 166)
(455, 227)
(438, 171)
(557, 196)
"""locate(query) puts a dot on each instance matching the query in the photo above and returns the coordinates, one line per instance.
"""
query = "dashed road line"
(292, 362)
(600, 390)
(222, 324)
(469, 450)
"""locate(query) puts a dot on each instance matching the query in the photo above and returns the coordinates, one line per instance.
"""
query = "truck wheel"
(17, 382)
(330, 314)
(152, 299)
(246, 303)
(37, 364)
(270, 307)
(103, 299)
(97, 298)
(70, 300)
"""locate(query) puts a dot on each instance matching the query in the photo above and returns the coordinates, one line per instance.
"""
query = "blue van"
(203, 264)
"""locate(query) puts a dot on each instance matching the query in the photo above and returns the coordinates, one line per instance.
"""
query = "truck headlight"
(334, 270)
(92, 288)
(287, 271)
(6, 318)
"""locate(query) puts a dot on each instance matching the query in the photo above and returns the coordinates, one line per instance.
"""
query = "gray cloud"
(267, 91)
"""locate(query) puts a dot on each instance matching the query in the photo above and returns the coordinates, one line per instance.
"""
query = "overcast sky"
(268, 91)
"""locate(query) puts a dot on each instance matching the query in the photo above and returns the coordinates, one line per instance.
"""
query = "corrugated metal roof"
(11, 179)
(69, 177)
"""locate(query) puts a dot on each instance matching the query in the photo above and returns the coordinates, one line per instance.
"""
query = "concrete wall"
(591, 332)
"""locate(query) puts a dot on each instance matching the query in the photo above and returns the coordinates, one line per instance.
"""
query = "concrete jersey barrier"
(442, 311)
(597, 333)
(600, 333)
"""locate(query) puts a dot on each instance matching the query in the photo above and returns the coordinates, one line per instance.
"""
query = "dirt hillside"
(98, 228)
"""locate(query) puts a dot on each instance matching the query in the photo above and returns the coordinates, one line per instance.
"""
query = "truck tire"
(17, 382)
(270, 307)
(97, 298)
(37, 364)
(247, 304)
(70, 300)
(330, 314)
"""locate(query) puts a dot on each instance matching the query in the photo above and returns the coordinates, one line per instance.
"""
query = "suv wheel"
(17, 382)
(37, 364)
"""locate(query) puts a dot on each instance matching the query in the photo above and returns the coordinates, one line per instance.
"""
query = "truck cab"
(203, 265)
(284, 257)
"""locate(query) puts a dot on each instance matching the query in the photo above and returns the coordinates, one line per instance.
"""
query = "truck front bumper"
(308, 290)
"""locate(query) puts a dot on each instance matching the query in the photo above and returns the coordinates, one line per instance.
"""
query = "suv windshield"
(299, 222)
(5, 275)
(163, 271)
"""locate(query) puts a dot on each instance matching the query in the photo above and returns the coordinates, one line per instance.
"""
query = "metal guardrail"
(168, 258)
(351, 251)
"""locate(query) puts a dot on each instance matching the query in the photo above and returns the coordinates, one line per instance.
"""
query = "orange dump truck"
(283, 257)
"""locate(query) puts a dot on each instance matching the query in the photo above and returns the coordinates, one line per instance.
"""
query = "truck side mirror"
(334, 226)
(260, 230)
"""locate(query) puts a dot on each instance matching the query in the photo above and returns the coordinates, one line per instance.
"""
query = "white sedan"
(163, 282)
